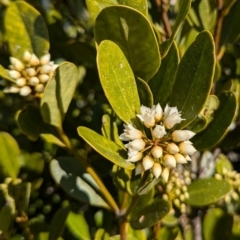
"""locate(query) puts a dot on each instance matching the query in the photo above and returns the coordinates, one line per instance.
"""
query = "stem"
(156, 230)
(108, 197)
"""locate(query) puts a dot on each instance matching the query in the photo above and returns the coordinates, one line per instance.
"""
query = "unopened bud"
(227, 199)
(25, 91)
(176, 202)
(184, 188)
(157, 169)
(186, 195)
(172, 148)
(33, 81)
(20, 82)
(180, 159)
(27, 56)
(165, 174)
(12, 89)
(234, 196)
(157, 152)
(187, 148)
(182, 198)
(188, 158)
(39, 88)
(46, 69)
(177, 192)
(136, 145)
(14, 74)
(139, 168)
(169, 160)
(134, 156)
(158, 112)
(45, 59)
(218, 176)
(147, 162)
(43, 78)
(31, 72)
(188, 180)
(34, 61)
(17, 64)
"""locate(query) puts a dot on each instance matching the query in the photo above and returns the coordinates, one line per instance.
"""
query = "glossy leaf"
(9, 157)
(168, 233)
(7, 214)
(207, 191)
(161, 83)
(217, 224)
(117, 79)
(194, 78)
(69, 174)
(150, 214)
(4, 74)
(222, 119)
(78, 226)
(101, 234)
(123, 31)
(58, 223)
(31, 123)
(198, 124)
(95, 6)
(144, 92)
(105, 147)
(28, 30)
(183, 11)
(58, 94)
(148, 185)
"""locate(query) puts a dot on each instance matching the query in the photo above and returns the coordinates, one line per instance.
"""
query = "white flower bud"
(157, 151)
(17, 64)
(39, 88)
(147, 162)
(177, 192)
(20, 82)
(157, 169)
(46, 69)
(176, 202)
(14, 74)
(158, 112)
(169, 160)
(234, 195)
(43, 78)
(12, 89)
(25, 91)
(27, 56)
(34, 61)
(186, 148)
(136, 145)
(190, 134)
(134, 156)
(130, 133)
(33, 81)
(218, 176)
(147, 116)
(227, 199)
(31, 72)
(187, 158)
(186, 195)
(171, 117)
(179, 136)
(180, 159)
(158, 132)
(45, 59)
(139, 168)
(165, 174)
(172, 148)
(182, 198)
(188, 180)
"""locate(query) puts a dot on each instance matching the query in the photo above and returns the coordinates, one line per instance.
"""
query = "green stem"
(108, 197)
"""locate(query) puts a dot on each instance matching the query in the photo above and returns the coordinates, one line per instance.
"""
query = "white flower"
(147, 116)
(136, 145)
(17, 64)
(158, 112)
(139, 168)
(165, 174)
(159, 131)
(186, 148)
(157, 169)
(171, 117)
(182, 135)
(45, 59)
(172, 148)
(169, 160)
(14, 74)
(180, 159)
(25, 91)
(130, 133)
(134, 156)
(157, 151)
(147, 162)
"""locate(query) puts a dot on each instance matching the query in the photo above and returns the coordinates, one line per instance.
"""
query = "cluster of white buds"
(30, 75)
(233, 178)
(176, 188)
(165, 149)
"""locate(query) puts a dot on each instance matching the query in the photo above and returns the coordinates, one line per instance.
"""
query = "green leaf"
(145, 94)
(4, 74)
(69, 174)
(150, 214)
(31, 123)
(9, 157)
(58, 222)
(78, 226)
(198, 124)
(95, 6)
(207, 191)
(118, 237)
(7, 214)
(101, 234)
(58, 94)
(148, 185)
(183, 11)
(168, 233)
(161, 83)
(105, 147)
(137, 41)
(217, 224)
(117, 79)
(223, 117)
(28, 30)
(223, 163)
(194, 78)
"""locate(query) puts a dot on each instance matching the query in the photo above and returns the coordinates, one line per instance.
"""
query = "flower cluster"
(165, 148)
(30, 74)
(233, 178)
